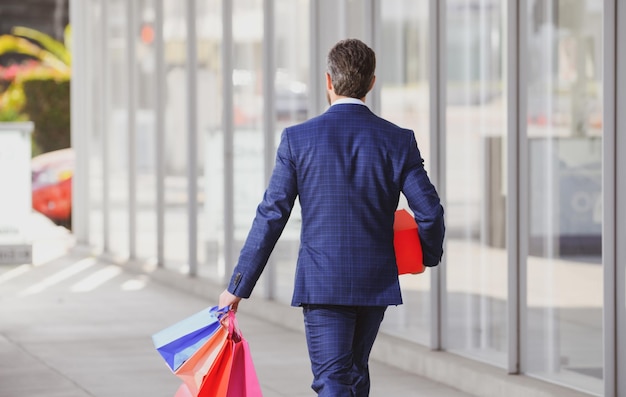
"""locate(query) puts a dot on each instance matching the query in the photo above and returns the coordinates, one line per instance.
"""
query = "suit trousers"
(340, 339)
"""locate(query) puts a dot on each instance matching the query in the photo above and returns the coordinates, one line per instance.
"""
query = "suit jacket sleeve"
(271, 217)
(425, 204)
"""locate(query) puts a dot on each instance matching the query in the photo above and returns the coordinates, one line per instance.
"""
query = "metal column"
(269, 113)
(523, 206)
(106, 113)
(620, 196)
(159, 49)
(78, 120)
(192, 139)
(131, 15)
(512, 215)
(372, 16)
(437, 79)
(315, 71)
(227, 121)
(610, 186)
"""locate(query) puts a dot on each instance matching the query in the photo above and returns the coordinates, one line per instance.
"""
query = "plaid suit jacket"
(347, 167)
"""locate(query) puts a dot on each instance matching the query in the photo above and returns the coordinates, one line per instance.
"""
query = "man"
(347, 167)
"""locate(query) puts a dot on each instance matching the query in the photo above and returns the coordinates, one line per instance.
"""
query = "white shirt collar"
(352, 101)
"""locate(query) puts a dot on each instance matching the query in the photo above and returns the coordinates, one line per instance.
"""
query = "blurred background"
(177, 108)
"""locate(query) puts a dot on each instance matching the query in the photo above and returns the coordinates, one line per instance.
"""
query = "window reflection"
(176, 239)
(118, 128)
(564, 129)
(292, 96)
(98, 135)
(475, 180)
(249, 179)
(146, 131)
(402, 75)
(210, 139)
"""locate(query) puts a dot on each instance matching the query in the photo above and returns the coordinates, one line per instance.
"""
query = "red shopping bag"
(407, 245)
(215, 382)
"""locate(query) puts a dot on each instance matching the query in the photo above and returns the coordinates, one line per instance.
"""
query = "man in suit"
(347, 167)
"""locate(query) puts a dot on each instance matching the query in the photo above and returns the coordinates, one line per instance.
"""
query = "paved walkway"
(76, 326)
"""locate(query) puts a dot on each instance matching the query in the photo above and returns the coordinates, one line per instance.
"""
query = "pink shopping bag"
(243, 379)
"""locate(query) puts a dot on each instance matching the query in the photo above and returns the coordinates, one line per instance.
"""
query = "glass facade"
(210, 140)
(145, 145)
(538, 169)
(476, 144)
(291, 93)
(176, 229)
(248, 142)
(404, 92)
(564, 132)
(98, 107)
(117, 169)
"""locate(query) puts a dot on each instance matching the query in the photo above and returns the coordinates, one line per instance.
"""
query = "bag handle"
(228, 319)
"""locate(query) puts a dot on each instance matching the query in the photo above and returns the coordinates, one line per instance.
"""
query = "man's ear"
(329, 82)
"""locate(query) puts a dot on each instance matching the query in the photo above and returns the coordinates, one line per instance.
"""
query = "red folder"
(407, 244)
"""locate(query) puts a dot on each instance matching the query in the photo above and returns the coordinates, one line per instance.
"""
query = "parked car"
(52, 185)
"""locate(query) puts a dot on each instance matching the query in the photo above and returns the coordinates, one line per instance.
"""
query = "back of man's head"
(351, 65)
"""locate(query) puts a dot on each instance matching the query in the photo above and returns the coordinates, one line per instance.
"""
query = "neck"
(334, 98)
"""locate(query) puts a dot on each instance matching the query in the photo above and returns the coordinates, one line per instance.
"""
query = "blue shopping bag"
(178, 342)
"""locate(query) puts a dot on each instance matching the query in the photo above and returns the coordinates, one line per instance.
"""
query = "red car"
(52, 185)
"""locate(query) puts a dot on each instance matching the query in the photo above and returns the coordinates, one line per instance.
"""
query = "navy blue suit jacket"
(347, 167)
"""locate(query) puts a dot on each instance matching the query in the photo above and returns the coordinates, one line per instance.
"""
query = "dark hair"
(351, 65)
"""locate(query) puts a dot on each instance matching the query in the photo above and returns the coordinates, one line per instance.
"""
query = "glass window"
(117, 135)
(146, 131)
(176, 221)
(564, 131)
(94, 207)
(475, 180)
(402, 75)
(291, 92)
(248, 139)
(210, 140)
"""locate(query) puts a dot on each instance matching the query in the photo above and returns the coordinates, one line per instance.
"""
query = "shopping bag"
(407, 245)
(178, 342)
(243, 379)
(232, 373)
(222, 365)
(194, 370)
(215, 383)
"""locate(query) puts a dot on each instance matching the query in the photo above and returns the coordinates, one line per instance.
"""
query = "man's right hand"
(230, 300)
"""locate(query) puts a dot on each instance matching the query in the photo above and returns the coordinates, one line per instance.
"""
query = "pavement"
(74, 324)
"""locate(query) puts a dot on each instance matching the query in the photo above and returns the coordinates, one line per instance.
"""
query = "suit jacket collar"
(348, 107)
(343, 101)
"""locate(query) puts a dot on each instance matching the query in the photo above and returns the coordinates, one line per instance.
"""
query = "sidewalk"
(77, 326)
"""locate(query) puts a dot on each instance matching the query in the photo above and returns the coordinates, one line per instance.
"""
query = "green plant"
(38, 90)
(53, 56)
(48, 106)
